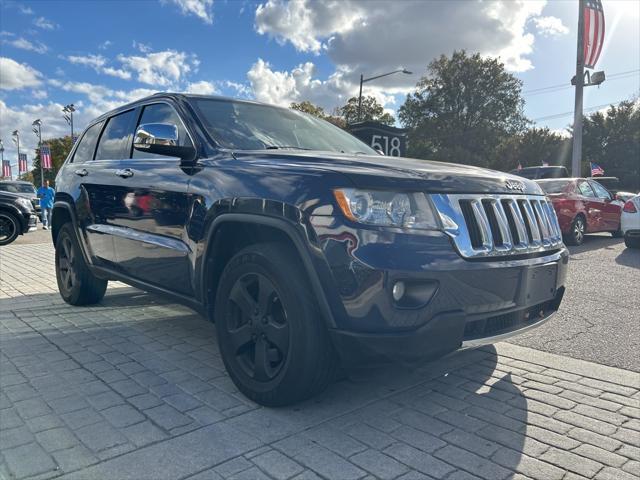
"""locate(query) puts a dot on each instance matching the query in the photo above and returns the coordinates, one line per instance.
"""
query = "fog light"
(398, 291)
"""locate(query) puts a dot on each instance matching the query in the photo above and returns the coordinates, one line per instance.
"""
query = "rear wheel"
(576, 232)
(632, 242)
(9, 228)
(272, 340)
(76, 283)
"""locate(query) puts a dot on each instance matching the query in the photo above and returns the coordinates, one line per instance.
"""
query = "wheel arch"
(62, 213)
(231, 232)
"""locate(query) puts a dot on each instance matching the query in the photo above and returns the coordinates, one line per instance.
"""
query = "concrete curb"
(583, 368)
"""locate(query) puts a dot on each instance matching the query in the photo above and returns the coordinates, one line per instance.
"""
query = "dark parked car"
(534, 173)
(306, 246)
(17, 217)
(583, 206)
(23, 188)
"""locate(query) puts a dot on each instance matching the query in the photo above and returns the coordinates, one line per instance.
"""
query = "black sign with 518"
(391, 141)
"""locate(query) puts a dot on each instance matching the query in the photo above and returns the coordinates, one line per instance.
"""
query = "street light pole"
(364, 80)
(68, 111)
(37, 123)
(576, 157)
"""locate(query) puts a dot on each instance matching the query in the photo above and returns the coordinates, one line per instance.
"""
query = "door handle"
(82, 172)
(124, 173)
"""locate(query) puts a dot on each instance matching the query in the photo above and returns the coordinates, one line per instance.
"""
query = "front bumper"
(30, 223)
(455, 302)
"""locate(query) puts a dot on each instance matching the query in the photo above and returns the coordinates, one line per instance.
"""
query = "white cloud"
(550, 26)
(306, 23)
(39, 94)
(24, 44)
(240, 89)
(94, 61)
(25, 10)
(373, 37)
(202, 87)
(202, 9)
(142, 47)
(104, 45)
(166, 68)
(301, 83)
(16, 76)
(116, 72)
(44, 23)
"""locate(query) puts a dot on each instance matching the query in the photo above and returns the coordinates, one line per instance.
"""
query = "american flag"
(6, 168)
(596, 170)
(45, 157)
(593, 33)
(22, 163)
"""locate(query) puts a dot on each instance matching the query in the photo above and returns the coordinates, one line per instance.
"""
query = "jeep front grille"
(496, 225)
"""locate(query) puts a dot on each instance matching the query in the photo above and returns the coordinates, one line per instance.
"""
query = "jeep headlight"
(388, 209)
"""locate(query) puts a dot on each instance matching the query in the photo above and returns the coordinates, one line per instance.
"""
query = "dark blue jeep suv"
(306, 246)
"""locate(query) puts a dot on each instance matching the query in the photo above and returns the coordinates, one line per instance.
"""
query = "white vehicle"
(630, 222)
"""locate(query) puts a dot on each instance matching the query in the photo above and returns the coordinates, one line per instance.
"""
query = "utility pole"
(576, 158)
(37, 129)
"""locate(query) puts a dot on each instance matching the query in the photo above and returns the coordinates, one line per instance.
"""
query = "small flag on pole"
(519, 166)
(22, 163)
(45, 157)
(593, 34)
(596, 170)
(6, 168)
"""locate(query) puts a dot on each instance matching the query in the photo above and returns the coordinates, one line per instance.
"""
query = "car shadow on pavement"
(462, 412)
(595, 242)
(630, 257)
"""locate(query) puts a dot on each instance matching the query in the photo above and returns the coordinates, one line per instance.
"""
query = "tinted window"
(17, 187)
(553, 186)
(249, 126)
(87, 144)
(601, 192)
(116, 138)
(585, 190)
(162, 113)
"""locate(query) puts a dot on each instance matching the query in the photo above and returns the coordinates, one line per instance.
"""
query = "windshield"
(248, 126)
(554, 186)
(17, 188)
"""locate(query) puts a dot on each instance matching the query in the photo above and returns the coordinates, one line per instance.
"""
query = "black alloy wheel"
(9, 228)
(258, 327)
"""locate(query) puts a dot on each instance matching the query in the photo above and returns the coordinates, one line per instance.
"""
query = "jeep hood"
(377, 171)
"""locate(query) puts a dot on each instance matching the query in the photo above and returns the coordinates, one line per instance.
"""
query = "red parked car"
(583, 206)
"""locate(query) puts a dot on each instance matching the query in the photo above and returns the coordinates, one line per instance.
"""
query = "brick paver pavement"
(135, 388)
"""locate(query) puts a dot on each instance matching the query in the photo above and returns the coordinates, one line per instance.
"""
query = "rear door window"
(115, 142)
(585, 190)
(87, 145)
(601, 192)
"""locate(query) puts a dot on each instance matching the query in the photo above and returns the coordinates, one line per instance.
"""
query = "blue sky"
(100, 54)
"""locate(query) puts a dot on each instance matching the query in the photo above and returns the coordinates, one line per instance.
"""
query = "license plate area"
(539, 284)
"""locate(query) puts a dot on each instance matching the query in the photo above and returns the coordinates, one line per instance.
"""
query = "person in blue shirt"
(46, 195)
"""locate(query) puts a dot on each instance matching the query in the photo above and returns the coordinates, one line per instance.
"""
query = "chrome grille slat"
(502, 224)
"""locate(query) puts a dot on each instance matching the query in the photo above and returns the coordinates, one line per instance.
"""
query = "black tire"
(632, 242)
(618, 233)
(263, 292)
(576, 232)
(76, 284)
(9, 228)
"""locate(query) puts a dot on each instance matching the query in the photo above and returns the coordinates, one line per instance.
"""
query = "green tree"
(530, 148)
(463, 109)
(60, 148)
(371, 111)
(612, 140)
(317, 111)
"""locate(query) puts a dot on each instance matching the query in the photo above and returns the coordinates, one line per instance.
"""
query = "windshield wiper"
(276, 147)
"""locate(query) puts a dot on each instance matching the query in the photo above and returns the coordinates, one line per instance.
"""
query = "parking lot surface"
(135, 388)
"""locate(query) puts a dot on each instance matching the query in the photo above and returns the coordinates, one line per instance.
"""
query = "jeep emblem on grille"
(515, 185)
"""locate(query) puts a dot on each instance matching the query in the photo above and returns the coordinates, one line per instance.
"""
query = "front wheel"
(576, 232)
(271, 337)
(9, 228)
(76, 284)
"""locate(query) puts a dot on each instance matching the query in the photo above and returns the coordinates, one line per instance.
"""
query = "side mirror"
(161, 139)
